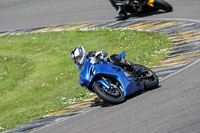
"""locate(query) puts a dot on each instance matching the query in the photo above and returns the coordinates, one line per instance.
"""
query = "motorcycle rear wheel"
(151, 81)
(99, 90)
(161, 4)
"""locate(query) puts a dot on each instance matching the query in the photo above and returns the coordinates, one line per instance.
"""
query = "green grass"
(37, 75)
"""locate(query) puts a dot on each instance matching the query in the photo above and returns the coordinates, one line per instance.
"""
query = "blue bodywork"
(90, 71)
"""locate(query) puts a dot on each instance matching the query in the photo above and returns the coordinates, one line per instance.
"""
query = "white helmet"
(79, 55)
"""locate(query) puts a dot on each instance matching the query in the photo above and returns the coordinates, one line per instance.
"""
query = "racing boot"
(134, 67)
(122, 14)
(136, 71)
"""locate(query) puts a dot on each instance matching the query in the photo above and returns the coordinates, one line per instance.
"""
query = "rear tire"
(152, 82)
(161, 4)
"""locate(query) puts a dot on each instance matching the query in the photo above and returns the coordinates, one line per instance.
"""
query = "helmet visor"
(77, 59)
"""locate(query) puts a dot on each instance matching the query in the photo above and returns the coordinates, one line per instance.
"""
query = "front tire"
(99, 90)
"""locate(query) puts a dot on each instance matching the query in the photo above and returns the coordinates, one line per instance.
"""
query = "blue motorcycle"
(113, 83)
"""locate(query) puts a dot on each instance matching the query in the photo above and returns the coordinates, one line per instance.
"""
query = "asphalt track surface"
(172, 108)
(21, 14)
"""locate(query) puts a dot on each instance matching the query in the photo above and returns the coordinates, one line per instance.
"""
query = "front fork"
(103, 82)
(106, 85)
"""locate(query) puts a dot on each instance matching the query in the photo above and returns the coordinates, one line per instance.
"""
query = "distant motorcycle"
(113, 83)
(139, 6)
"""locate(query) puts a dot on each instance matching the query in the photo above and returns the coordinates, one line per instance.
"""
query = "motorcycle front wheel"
(113, 95)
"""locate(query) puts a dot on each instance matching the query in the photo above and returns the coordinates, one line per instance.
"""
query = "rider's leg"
(140, 4)
(119, 8)
(122, 14)
(117, 60)
(113, 4)
(140, 1)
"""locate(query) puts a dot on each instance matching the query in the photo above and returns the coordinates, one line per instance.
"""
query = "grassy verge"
(37, 75)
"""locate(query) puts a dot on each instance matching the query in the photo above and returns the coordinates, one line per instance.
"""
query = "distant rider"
(120, 5)
(79, 55)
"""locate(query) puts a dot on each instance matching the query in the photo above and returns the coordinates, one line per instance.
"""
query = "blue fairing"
(123, 55)
(109, 70)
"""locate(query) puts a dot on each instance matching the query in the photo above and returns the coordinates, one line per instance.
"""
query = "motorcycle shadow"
(140, 15)
(99, 102)
(140, 93)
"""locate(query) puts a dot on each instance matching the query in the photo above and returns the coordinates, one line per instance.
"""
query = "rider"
(120, 4)
(79, 55)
